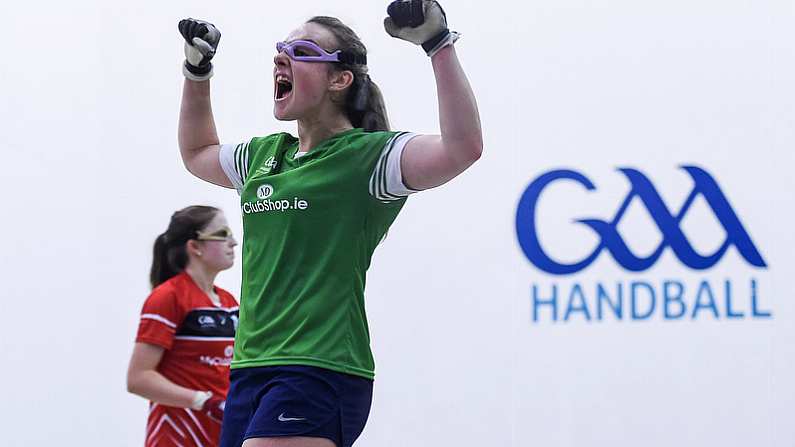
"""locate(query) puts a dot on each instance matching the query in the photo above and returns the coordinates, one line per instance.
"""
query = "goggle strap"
(349, 58)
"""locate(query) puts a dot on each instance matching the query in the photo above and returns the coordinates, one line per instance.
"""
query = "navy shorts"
(278, 401)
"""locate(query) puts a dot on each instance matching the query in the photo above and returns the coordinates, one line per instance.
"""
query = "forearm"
(196, 122)
(459, 119)
(154, 386)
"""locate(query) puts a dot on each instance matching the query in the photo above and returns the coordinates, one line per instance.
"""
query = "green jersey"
(311, 224)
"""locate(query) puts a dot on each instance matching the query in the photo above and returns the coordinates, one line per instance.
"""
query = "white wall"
(89, 99)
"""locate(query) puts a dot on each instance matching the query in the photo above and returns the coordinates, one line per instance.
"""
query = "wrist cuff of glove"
(200, 398)
(439, 41)
(197, 73)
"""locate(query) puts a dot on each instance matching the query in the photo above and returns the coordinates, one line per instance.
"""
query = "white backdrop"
(89, 96)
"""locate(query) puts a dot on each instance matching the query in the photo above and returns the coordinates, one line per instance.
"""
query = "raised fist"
(422, 22)
(201, 42)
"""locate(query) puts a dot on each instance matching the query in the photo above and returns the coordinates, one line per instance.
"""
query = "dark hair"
(169, 254)
(364, 104)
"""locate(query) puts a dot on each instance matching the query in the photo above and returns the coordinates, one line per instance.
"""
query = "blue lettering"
(552, 301)
(670, 298)
(602, 297)
(754, 308)
(634, 286)
(676, 301)
(577, 295)
(729, 311)
(705, 290)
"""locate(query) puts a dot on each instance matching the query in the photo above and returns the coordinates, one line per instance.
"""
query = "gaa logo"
(229, 350)
(666, 221)
(264, 191)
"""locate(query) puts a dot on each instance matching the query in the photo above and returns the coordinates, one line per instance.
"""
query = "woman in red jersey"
(184, 344)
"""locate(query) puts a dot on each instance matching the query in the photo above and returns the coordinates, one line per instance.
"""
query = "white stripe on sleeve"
(386, 181)
(157, 317)
(234, 162)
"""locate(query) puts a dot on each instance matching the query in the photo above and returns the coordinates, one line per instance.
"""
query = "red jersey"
(198, 339)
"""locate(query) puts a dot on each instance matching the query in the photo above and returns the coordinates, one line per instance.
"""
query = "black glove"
(422, 22)
(201, 41)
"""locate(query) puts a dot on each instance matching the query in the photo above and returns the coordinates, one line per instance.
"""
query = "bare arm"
(432, 160)
(198, 139)
(144, 380)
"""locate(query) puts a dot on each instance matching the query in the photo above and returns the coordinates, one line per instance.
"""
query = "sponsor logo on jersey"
(215, 361)
(265, 204)
(209, 323)
(689, 285)
(264, 191)
(206, 321)
(226, 360)
(268, 166)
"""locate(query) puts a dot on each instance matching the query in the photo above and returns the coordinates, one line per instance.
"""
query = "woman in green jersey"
(314, 208)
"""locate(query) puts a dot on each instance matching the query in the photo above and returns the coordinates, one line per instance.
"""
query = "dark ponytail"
(169, 255)
(364, 104)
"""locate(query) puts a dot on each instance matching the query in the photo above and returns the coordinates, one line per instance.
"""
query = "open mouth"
(283, 88)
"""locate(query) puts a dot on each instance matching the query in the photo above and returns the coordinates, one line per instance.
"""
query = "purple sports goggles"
(308, 51)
